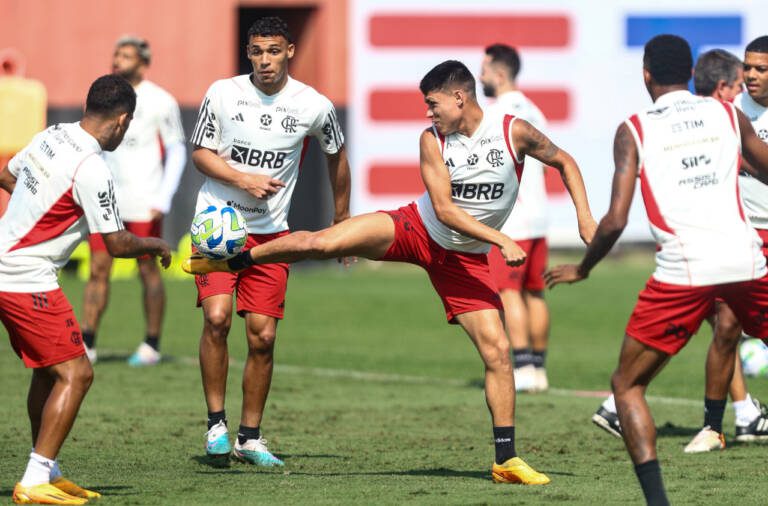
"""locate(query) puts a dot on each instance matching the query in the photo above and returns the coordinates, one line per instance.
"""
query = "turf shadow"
(671, 430)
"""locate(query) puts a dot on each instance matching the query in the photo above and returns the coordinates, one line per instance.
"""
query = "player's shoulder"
(301, 92)
(155, 92)
(229, 85)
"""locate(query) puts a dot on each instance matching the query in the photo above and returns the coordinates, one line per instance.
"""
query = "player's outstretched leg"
(487, 333)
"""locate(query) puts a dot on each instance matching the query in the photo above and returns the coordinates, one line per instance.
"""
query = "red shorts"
(462, 280)
(260, 288)
(42, 327)
(666, 316)
(152, 228)
(529, 276)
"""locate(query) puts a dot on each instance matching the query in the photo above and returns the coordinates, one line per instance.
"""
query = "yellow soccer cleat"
(70, 488)
(198, 264)
(43, 494)
(515, 470)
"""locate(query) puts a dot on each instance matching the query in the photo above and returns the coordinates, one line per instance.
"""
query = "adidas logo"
(238, 117)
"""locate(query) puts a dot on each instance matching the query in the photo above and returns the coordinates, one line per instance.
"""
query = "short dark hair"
(507, 56)
(270, 26)
(447, 74)
(668, 59)
(759, 45)
(712, 67)
(141, 46)
(110, 94)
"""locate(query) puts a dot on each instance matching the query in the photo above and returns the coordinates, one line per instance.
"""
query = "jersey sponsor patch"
(265, 159)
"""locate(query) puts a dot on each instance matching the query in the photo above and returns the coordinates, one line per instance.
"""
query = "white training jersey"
(262, 134)
(528, 219)
(63, 189)
(485, 172)
(137, 164)
(753, 192)
(689, 150)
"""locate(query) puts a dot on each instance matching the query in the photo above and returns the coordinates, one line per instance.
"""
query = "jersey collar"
(672, 96)
(88, 140)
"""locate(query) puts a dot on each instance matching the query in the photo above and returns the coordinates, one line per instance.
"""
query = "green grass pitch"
(376, 400)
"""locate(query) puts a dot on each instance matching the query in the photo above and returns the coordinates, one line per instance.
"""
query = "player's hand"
(512, 253)
(259, 185)
(161, 249)
(568, 273)
(587, 229)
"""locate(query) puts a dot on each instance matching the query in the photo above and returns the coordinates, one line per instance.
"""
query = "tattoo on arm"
(537, 144)
(624, 149)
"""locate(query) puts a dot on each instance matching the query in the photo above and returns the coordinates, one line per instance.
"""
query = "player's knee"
(727, 330)
(261, 341)
(79, 376)
(496, 354)
(100, 269)
(217, 323)
(619, 384)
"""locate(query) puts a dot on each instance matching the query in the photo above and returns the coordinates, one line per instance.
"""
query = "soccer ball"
(219, 233)
(754, 357)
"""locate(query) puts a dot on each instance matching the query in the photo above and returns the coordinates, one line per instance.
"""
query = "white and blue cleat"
(217, 441)
(254, 451)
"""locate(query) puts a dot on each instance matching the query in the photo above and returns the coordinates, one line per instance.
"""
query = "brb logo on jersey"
(477, 191)
(265, 159)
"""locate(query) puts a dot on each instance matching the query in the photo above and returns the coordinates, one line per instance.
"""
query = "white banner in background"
(581, 63)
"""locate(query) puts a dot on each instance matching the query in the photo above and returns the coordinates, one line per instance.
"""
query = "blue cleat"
(254, 451)
(217, 441)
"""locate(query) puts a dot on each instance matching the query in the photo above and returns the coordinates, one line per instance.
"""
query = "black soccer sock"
(713, 414)
(153, 341)
(649, 474)
(538, 358)
(504, 440)
(89, 338)
(216, 417)
(246, 433)
(522, 357)
(241, 261)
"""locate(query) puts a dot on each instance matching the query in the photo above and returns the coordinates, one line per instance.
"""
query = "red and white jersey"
(689, 156)
(754, 194)
(528, 219)
(63, 189)
(137, 164)
(485, 176)
(262, 134)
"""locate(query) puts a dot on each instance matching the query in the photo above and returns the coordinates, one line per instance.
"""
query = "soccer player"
(685, 150)
(717, 74)
(147, 167)
(60, 188)
(471, 164)
(249, 141)
(526, 316)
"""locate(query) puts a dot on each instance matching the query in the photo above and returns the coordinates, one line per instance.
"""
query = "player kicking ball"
(471, 165)
(60, 189)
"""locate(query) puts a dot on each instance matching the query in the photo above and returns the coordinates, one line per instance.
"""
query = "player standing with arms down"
(526, 316)
(147, 167)
(471, 164)
(248, 141)
(707, 248)
(717, 74)
(60, 188)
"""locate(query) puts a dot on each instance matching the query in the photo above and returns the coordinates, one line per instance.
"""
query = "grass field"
(376, 400)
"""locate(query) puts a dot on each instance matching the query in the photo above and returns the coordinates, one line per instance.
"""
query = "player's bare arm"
(7, 180)
(123, 244)
(612, 225)
(753, 148)
(212, 165)
(438, 183)
(339, 176)
(532, 142)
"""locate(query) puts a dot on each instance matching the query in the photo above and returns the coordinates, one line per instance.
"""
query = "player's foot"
(217, 441)
(71, 488)
(706, 441)
(91, 354)
(525, 378)
(607, 421)
(144, 355)
(254, 451)
(757, 430)
(43, 494)
(515, 470)
(198, 264)
(540, 381)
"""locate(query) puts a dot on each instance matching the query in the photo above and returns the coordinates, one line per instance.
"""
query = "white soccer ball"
(219, 232)
(754, 357)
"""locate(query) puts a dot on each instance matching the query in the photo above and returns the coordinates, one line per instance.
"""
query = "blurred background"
(581, 65)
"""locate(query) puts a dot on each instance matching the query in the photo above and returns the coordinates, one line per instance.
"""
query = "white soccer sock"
(610, 404)
(746, 411)
(38, 470)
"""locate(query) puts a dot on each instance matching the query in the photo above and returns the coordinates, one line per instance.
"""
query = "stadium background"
(581, 65)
